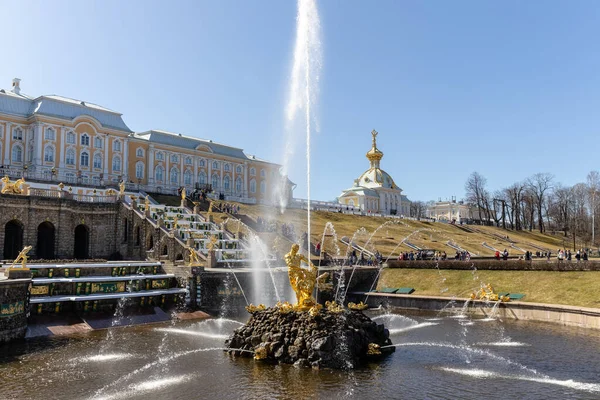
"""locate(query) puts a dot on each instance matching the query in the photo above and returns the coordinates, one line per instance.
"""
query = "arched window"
(226, 183)
(85, 140)
(17, 154)
(202, 178)
(227, 167)
(215, 181)
(70, 138)
(238, 169)
(187, 177)
(48, 154)
(70, 177)
(139, 170)
(174, 158)
(215, 165)
(139, 152)
(116, 165)
(174, 176)
(238, 185)
(262, 173)
(70, 157)
(188, 160)
(252, 186)
(85, 159)
(252, 171)
(97, 161)
(98, 142)
(202, 163)
(160, 156)
(158, 173)
(263, 187)
(50, 134)
(18, 134)
(117, 145)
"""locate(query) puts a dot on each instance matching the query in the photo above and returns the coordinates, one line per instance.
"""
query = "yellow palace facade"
(57, 139)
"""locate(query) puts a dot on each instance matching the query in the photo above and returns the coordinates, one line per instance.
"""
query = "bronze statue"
(303, 280)
(22, 257)
(194, 260)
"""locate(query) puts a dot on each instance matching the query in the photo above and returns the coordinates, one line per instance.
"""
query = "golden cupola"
(374, 155)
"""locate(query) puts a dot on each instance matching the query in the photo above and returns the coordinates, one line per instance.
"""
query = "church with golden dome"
(375, 190)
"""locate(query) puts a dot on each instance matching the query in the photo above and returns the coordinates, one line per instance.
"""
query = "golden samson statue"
(303, 280)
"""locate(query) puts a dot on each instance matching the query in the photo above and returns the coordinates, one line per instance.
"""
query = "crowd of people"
(229, 208)
(352, 258)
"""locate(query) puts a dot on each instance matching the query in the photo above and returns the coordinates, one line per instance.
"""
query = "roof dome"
(376, 177)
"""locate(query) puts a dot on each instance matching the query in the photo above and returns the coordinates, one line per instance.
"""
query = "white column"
(37, 153)
(245, 169)
(233, 167)
(222, 176)
(125, 158)
(150, 163)
(181, 157)
(63, 146)
(195, 172)
(167, 176)
(209, 178)
(7, 136)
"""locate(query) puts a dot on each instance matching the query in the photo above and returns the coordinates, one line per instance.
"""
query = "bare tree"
(476, 194)
(539, 184)
(560, 207)
(514, 195)
(417, 209)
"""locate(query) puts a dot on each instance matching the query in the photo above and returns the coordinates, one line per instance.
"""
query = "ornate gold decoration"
(334, 307)
(212, 243)
(194, 259)
(314, 310)
(61, 186)
(357, 307)
(12, 187)
(122, 188)
(487, 293)
(373, 349)
(374, 155)
(251, 308)
(183, 194)
(303, 280)
(260, 353)
(22, 257)
(284, 308)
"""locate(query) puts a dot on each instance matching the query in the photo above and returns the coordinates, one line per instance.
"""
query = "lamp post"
(53, 170)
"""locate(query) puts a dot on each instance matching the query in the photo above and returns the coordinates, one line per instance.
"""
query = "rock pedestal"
(325, 340)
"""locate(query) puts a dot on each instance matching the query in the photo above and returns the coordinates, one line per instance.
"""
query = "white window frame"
(117, 164)
(97, 156)
(72, 159)
(71, 138)
(12, 153)
(49, 153)
(87, 163)
(85, 140)
(50, 134)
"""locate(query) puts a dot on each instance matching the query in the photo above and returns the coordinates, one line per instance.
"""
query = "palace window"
(158, 174)
(17, 154)
(70, 177)
(262, 173)
(139, 152)
(263, 187)
(226, 167)
(85, 140)
(187, 178)
(98, 142)
(252, 171)
(202, 178)
(70, 157)
(202, 163)
(238, 169)
(116, 165)
(96, 180)
(188, 160)
(50, 134)
(174, 176)
(97, 161)
(252, 186)
(215, 181)
(139, 170)
(85, 159)
(117, 145)
(160, 156)
(174, 158)
(238, 185)
(226, 183)
(49, 154)
(70, 137)
(18, 134)
(215, 165)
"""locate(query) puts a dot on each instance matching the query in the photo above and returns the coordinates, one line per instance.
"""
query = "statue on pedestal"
(22, 257)
(303, 280)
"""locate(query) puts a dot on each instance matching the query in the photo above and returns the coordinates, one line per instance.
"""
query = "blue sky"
(507, 89)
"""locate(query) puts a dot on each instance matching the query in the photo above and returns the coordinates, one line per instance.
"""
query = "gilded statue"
(183, 194)
(122, 187)
(147, 203)
(303, 280)
(22, 257)
(194, 259)
(12, 187)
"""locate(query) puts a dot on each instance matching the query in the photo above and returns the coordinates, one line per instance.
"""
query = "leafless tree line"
(540, 203)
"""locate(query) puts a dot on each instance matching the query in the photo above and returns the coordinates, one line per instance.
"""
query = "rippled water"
(444, 358)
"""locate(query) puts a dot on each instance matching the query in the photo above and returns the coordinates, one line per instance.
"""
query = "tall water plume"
(303, 92)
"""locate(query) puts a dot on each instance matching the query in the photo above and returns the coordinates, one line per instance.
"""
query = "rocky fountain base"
(319, 338)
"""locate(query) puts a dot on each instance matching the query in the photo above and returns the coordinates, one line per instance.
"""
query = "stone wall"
(13, 308)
